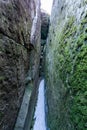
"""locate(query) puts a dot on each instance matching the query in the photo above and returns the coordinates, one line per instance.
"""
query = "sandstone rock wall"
(66, 66)
(17, 55)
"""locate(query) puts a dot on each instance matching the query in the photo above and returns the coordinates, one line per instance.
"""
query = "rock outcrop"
(17, 55)
(66, 66)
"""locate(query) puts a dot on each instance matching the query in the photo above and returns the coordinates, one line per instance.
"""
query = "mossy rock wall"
(66, 66)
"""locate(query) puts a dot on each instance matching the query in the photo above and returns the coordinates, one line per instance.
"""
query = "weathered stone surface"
(16, 57)
(66, 66)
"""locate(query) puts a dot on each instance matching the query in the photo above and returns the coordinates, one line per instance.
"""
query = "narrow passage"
(39, 116)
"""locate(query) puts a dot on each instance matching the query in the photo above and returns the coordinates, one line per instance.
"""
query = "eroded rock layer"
(66, 66)
(18, 55)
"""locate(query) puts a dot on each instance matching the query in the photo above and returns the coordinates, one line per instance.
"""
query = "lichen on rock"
(16, 58)
(66, 58)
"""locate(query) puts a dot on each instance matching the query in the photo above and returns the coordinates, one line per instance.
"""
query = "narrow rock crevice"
(36, 46)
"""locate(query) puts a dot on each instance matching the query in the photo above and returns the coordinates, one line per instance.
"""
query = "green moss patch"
(70, 64)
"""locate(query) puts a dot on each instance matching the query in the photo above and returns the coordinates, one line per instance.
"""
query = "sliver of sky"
(46, 5)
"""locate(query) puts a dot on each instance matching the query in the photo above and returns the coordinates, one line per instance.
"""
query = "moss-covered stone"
(68, 70)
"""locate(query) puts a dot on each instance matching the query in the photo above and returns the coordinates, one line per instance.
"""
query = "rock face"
(66, 66)
(17, 55)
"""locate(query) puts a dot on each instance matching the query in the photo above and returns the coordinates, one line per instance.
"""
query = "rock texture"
(66, 66)
(17, 55)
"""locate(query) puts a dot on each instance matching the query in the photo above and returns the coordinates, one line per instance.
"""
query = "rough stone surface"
(66, 66)
(16, 55)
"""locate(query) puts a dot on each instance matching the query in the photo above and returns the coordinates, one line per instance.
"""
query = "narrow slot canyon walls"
(66, 66)
(18, 55)
(45, 19)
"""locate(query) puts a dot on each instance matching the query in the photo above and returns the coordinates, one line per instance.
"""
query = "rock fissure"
(34, 45)
(7, 36)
